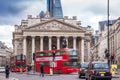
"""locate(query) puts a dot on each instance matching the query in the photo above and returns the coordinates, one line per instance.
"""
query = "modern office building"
(54, 8)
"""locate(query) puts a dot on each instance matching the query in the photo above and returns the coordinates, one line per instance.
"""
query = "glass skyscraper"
(54, 8)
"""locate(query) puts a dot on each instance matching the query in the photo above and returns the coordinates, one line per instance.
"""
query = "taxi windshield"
(84, 65)
(100, 66)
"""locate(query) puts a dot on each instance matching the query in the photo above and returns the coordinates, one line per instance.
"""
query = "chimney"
(74, 18)
(29, 16)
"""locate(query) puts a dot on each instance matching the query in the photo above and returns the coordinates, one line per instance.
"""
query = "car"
(98, 70)
(2, 69)
(82, 68)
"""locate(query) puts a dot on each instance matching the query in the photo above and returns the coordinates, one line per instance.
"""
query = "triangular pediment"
(54, 25)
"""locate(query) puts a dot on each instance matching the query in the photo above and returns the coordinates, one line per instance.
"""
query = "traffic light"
(53, 55)
(106, 53)
(33, 56)
(112, 58)
(21, 57)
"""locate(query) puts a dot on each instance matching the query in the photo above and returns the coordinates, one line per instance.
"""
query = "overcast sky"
(89, 12)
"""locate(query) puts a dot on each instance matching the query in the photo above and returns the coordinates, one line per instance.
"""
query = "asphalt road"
(19, 76)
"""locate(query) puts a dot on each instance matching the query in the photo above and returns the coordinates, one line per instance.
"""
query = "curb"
(115, 76)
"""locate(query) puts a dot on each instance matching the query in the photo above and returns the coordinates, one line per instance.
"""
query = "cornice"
(65, 23)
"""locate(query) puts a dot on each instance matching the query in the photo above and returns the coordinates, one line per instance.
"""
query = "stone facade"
(41, 33)
(5, 53)
(115, 40)
(102, 43)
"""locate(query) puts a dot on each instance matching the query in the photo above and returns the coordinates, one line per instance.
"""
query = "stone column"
(88, 50)
(118, 42)
(41, 43)
(24, 45)
(82, 49)
(33, 47)
(58, 42)
(16, 47)
(50, 42)
(74, 42)
(66, 41)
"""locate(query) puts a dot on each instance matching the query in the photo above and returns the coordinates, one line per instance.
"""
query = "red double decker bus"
(65, 61)
(18, 63)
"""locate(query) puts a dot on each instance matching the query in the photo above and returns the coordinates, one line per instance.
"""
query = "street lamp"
(21, 59)
(108, 31)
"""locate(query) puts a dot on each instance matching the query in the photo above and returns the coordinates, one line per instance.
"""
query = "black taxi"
(82, 68)
(98, 70)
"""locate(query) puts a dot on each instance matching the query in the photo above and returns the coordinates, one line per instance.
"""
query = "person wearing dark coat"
(42, 70)
(7, 71)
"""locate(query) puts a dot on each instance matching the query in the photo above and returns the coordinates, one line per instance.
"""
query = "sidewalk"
(3, 78)
(116, 76)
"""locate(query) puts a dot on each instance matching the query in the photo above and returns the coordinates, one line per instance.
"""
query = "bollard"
(20, 70)
(51, 71)
(27, 71)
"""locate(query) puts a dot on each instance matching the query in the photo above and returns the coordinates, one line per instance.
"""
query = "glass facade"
(54, 8)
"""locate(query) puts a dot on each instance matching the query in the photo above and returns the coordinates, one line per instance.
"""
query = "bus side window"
(49, 54)
(45, 54)
(45, 63)
(66, 63)
(73, 52)
(40, 54)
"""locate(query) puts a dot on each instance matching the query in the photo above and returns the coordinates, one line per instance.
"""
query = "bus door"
(46, 66)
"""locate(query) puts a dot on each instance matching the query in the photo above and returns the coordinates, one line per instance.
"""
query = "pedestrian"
(7, 72)
(42, 70)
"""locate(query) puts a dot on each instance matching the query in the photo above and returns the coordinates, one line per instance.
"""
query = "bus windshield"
(18, 57)
(73, 52)
(60, 52)
(70, 63)
(44, 54)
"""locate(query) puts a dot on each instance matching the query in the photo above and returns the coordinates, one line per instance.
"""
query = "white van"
(2, 69)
